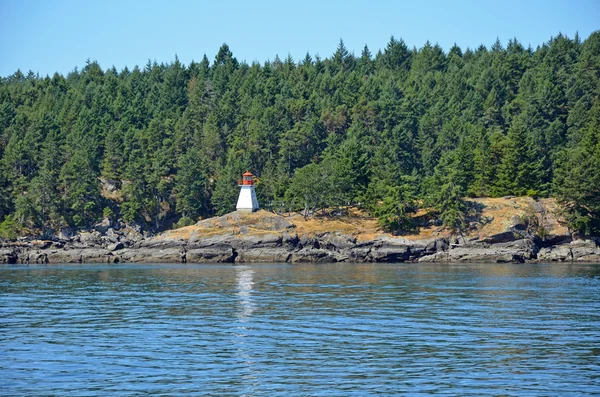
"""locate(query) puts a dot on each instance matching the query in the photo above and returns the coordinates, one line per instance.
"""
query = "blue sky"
(49, 36)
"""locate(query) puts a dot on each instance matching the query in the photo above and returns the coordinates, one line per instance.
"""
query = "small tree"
(451, 206)
(311, 188)
(393, 212)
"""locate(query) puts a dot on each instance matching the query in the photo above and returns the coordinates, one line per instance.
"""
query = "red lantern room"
(246, 180)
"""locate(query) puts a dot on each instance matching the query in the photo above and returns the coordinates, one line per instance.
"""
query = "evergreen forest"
(163, 145)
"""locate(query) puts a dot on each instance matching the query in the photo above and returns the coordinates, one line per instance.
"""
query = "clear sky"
(47, 36)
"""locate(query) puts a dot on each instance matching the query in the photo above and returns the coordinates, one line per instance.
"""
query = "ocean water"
(300, 330)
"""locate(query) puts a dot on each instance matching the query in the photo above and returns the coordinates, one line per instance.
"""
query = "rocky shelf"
(271, 238)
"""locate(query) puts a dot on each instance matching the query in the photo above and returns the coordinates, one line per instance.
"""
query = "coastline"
(517, 246)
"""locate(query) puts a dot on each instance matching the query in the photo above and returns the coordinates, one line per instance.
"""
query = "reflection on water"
(281, 330)
(249, 372)
(244, 291)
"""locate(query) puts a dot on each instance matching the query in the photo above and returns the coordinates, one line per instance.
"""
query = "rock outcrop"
(270, 238)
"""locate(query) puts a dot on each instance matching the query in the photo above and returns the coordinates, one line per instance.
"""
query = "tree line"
(164, 144)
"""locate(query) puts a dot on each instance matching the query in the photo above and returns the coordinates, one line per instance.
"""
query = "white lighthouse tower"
(247, 202)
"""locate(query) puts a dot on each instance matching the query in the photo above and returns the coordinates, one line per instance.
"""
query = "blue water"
(300, 330)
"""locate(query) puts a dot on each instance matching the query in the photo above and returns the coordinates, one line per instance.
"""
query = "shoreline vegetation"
(411, 144)
(512, 229)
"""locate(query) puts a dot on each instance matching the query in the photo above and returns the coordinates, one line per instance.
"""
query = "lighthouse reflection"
(246, 306)
(245, 283)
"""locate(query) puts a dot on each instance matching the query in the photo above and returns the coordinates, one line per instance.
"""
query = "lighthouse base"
(247, 201)
(245, 210)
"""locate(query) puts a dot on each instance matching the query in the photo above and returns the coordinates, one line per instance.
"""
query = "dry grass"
(256, 223)
(356, 223)
(493, 215)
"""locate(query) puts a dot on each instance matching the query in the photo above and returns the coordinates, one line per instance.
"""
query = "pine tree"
(577, 180)
(190, 187)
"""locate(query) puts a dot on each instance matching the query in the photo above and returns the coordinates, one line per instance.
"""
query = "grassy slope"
(490, 216)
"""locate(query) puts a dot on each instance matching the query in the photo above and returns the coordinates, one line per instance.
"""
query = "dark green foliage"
(165, 144)
(393, 212)
(577, 181)
(190, 186)
(451, 206)
(446, 188)
(9, 229)
(315, 187)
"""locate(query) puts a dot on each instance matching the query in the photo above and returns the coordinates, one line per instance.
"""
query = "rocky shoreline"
(279, 243)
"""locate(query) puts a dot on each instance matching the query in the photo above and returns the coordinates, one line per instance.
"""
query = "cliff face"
(505, 230)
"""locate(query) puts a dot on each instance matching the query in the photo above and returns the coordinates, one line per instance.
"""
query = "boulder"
(103, 226)
(577, 250)
(290, 240)
(274, 223)
(87, 239)
(387, 249)
(112, 236)
(556, 239)
(9, 255)
(115, 246)
(360, 254)
(308, 242)
(503, 237)
(336, 241)
(555, 254)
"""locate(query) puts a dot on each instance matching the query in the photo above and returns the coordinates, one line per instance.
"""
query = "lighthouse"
(247, 202)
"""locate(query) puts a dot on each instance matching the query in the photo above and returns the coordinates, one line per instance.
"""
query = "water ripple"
(302, 330)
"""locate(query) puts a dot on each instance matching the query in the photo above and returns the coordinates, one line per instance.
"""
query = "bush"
(183, 222)
(9, 229)
(108, 213)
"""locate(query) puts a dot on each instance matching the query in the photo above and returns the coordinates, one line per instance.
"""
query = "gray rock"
(263, 255)
(308, 242)
(514, 251)
(458, 240)
(112, 236)
(261, 240)
(66, 234)
(538, 207)
(577, 250)
(581, 249)
(290, 240)
(115, 246)
(556, 239)
(103, 226)
(211, 255)
(336, 241)
(437, 245)
(9, 255)
(500, 238)
(360, 254)
(89, 239)
(386, 253)
(215, 242)
(312, 255)
(555, 254)
(149, 255)
(244, 229)
(161, 243)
